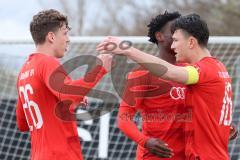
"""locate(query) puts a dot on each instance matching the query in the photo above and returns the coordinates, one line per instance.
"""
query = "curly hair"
(44, 22)
(193, 25)
(159, 22)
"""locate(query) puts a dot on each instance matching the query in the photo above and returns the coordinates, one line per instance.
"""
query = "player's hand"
(233, 132)
(84, 102)
(106, 60)
(158, 148)
(111, 45)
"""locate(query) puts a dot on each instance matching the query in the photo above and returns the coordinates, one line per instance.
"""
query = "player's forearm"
(144, 58)
(129, 128)
(158, 66)
(91, 78)
(80, 88)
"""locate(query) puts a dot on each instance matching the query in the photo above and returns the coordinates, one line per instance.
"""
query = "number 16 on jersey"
(226, 111)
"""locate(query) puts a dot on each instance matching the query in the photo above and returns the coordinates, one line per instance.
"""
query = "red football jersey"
(52, 136)
(211, 102)
(163, 112)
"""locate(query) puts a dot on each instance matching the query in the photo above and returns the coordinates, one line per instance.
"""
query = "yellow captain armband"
(193, 75)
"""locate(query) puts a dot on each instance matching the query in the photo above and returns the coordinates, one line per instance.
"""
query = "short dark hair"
(159, 22)
(44, 22)
(193, 25)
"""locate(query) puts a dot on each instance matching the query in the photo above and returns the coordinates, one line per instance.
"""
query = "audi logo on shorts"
(177, 93)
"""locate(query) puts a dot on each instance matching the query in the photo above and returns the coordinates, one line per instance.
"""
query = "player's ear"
(50, 37)
(192, 42)
(159, 36)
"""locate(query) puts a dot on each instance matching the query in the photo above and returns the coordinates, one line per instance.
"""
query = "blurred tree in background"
(130, 18)
(222, 16)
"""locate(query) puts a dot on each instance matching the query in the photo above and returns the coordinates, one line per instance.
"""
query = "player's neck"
(167, 55)
(200, 54)
(44, 49)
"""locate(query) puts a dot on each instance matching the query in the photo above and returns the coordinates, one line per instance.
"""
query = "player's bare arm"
(155, 65)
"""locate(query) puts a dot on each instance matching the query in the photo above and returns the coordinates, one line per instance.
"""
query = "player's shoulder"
(40, 59)
(211, 70)
(206, 64)
(136, 72)
(210, 64)
(208, 61)
(48, 59)
(46, 62)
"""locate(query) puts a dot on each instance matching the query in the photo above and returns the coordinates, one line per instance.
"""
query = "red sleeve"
(128, 127)
(202, 72)
(20, 117)
(63, 87)
(132, 99)
(206, 71)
